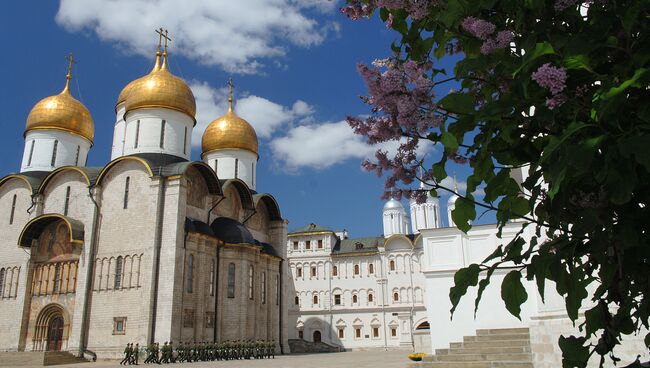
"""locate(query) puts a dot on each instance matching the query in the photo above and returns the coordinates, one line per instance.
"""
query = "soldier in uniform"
(164, 353)
(127, 354)
(136, 353)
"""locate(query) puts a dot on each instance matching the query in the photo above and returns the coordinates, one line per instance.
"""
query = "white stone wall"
(119, 132)
(357, 296)
(234, 163)
(177, 138)
(425, 215)
(43, 150)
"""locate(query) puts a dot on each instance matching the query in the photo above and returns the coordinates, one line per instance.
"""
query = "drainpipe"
(156, 260)
(216, 288)
(281, 291)
(384, 279)
(412, 297)
(89, 277)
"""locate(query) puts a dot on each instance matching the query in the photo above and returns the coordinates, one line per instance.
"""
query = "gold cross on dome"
(163, 33)
(230, 85)
(71, 60)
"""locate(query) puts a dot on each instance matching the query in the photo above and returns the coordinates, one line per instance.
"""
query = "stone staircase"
(493, 348)
(17, 359)
(300, 346)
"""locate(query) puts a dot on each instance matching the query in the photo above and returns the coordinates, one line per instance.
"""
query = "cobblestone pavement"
(352, 359)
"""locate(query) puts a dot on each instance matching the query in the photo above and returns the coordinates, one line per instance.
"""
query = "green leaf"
(463, 279)
(513, 293)
(574, 353)
(615, 91)
(541, 49)
(577, 62)
(449, 141)
(464, 213)
(481, 288)
(460, 103)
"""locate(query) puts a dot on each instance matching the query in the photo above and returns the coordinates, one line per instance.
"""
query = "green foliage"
(586, 160)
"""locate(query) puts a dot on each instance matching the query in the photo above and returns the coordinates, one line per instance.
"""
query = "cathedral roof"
(231, 231)
(311, 228)
(197, 226)
(357, 245)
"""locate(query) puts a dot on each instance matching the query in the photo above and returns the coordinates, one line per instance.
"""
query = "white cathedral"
(150, 247)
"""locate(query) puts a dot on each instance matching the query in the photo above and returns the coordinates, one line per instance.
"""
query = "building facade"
(151, 246)
(362, 292)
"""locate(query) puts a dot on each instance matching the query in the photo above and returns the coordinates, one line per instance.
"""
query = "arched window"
(66, 203)
(250, 282)
(13, 210)
(315, 299)
(2, 282)
(263, 287)
(391, 265)
(185, 142)
(57, 278)
(371, 268)
(236, 167)
(189, 277)
(355, 299)
(118, 273)
(299, 272)
(371, 298)
(162, 134)
(212, 272)
(335, 271)
(313, 271)
(126, 192)
(56, 146)
(356, 269)
(396, 297)
(137, 134)
(296, 300)
(231, 280)
(31, 153)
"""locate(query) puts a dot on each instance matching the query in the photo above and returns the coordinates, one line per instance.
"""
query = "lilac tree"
(559, 89)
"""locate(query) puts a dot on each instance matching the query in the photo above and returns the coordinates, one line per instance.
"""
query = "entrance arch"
(317, 337)
(55, 334)
(52, 329)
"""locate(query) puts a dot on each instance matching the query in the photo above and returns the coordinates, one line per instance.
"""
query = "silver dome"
(393, 204)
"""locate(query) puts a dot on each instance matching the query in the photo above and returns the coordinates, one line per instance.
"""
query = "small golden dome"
(229, 131)
(62, 112)
(159, 88)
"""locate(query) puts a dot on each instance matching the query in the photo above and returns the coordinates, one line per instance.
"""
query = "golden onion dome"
(229, 131)
(159, 88)
(62, 112)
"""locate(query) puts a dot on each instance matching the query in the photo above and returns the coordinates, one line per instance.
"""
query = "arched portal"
(55, 334)
(317, 337)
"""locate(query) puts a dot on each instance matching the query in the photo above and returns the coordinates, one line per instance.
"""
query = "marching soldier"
(136, 353)
(127, 354)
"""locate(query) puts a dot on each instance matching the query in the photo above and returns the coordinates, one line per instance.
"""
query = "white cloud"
(320, 146)
(235, 35)
(264, 115)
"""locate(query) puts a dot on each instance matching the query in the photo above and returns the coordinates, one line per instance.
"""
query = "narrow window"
(2, 282)
(189, 277)
(66, 204)
(320, 243)
(162, 134)
(355, 299)
(252, 172)
(118, 273)
(375, 332)
(231, 280)
(216, 165)
(263, 287)
(395, 297)
(137, 134)
(250, 282)
(299, 272)
(57, 278)
(300, 334)
(76, 157)
(13, 210)
(56, 146)
(185, 142)
(313, 271)
(341, 333)
(315, 300)
(31, 153)
(296, 300)
(212, 271)
(357, 333)
(371, 268)
(277, 290)
(236, 167)
(126, 192)
(392, 265)
(393, 331)
(337, 299)
(356, 269)
(335, 271)
(307, 244)
(371, 298)
(295, 245)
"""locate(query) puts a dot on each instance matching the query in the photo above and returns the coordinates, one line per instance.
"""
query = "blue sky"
(293, 63)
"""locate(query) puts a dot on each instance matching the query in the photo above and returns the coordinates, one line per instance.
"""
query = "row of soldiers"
(204, 351)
